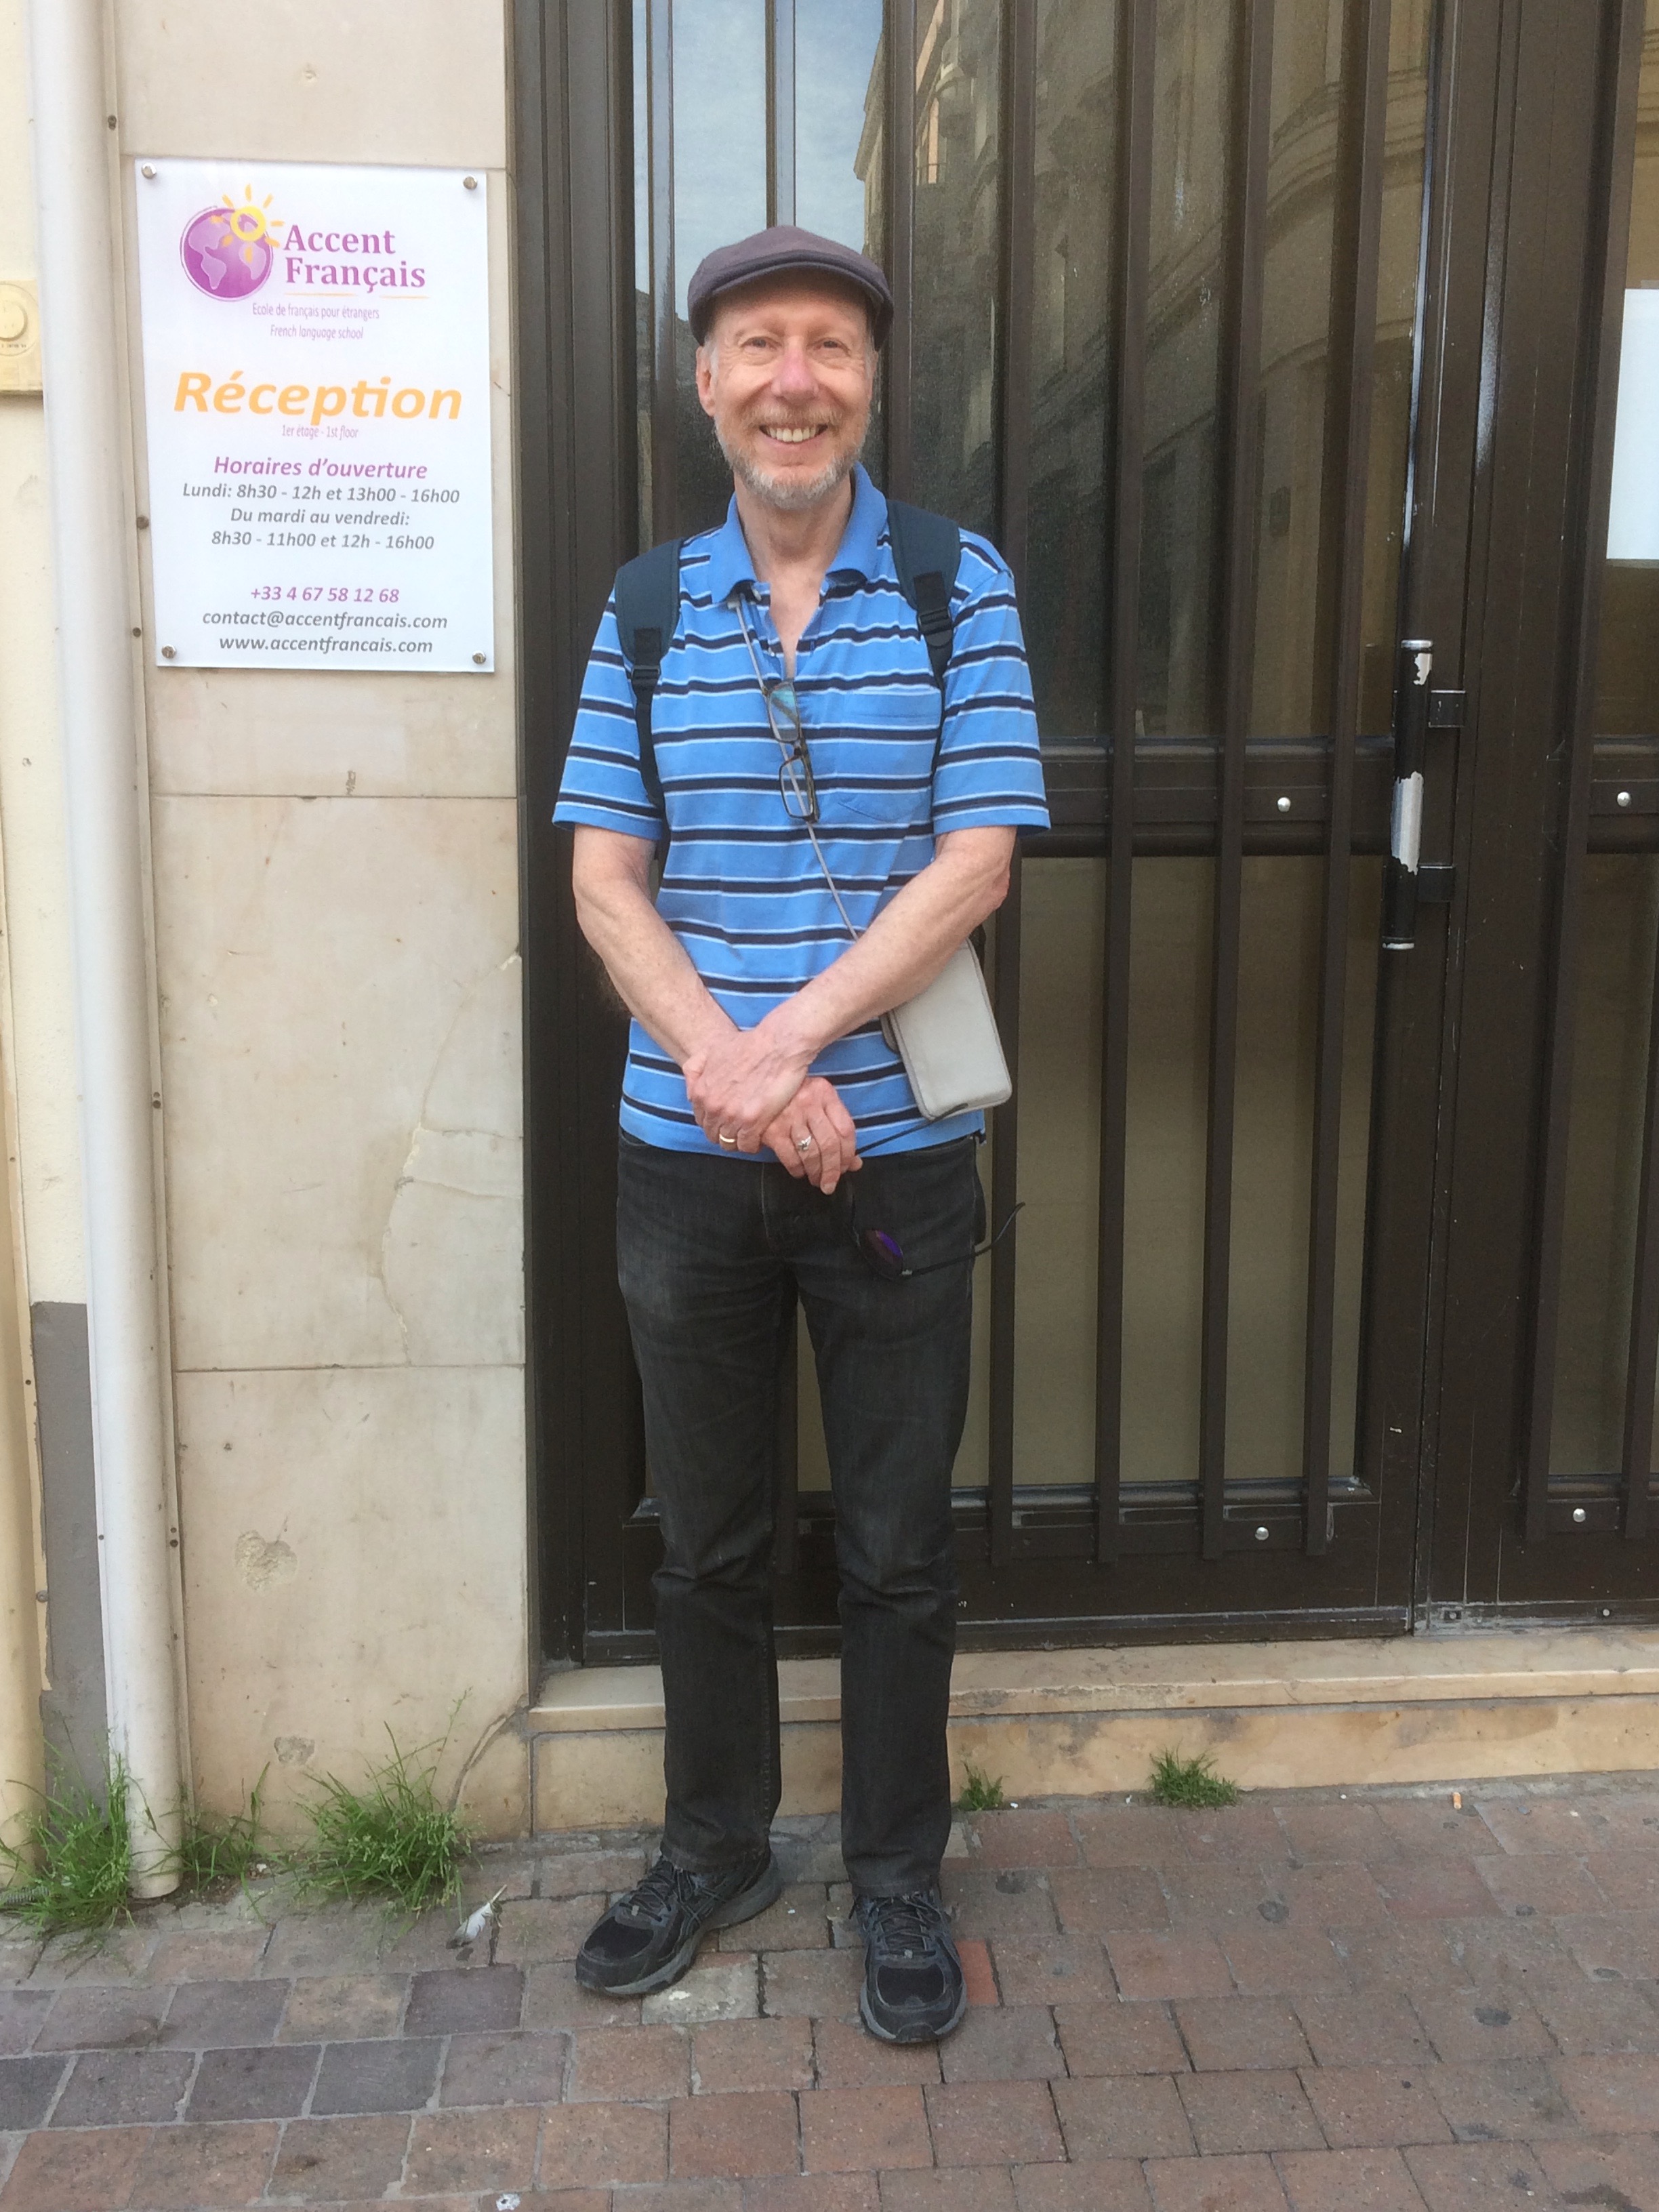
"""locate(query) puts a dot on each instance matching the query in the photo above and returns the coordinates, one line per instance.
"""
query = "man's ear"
(705, 363)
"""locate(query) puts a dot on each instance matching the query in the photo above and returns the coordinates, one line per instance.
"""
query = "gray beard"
(790, 497)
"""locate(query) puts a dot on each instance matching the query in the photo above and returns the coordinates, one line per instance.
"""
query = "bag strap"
(647, 601)
(926, 554)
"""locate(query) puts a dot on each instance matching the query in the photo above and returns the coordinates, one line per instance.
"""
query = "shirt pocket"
(879, 777)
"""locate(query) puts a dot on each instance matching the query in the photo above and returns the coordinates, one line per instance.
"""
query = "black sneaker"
(648, 1938)
(912, 1991)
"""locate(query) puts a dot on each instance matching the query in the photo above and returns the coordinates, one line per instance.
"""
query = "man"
(770, 1145)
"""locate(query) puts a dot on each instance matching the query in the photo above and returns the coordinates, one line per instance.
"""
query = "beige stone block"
(811, 1759)
(352, 1561)
(423, 82)
(494, 1790)
(612, 1778)
(338, 984)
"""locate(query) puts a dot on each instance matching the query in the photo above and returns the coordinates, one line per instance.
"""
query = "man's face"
(787, 375)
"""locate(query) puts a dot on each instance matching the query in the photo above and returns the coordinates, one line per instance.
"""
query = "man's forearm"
(647, 963)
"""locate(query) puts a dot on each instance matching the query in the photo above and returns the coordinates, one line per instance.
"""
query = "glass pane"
(959, 92)
(1180, 665)
(839, 93)
(1065, 597)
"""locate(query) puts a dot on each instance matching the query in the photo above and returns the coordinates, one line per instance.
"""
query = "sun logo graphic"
(228, 250)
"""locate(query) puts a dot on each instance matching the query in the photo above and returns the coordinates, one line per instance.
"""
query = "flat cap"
(777, 252)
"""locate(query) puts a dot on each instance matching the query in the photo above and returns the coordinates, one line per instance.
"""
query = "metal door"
(1210, 311)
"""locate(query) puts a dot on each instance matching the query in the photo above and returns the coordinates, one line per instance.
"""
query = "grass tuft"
(1190, 1782)
(981, 1792)
(72, 1868)
(218, 1853)
(391, 1840)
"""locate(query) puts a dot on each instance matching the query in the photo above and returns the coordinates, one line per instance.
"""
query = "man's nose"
(792, 378)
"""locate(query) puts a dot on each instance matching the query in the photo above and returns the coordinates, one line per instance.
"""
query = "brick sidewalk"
(1375, 2004)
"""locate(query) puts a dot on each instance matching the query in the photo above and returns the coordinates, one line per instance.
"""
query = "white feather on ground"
(476, 1924)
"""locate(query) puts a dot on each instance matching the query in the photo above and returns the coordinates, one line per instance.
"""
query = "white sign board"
(1633, 516)
(317, 399)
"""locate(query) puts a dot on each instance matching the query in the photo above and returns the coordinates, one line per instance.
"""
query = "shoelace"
(908, 1924)
(662, 1889)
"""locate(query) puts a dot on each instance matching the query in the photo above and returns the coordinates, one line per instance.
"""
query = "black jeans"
(711, 1254)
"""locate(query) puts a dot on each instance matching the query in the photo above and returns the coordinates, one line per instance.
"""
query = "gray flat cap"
(775, 252)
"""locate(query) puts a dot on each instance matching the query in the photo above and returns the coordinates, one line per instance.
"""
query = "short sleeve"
(602, 788)
(989, 772)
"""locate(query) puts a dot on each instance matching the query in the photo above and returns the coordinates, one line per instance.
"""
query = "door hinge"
(1445, 710)
(1436, 880)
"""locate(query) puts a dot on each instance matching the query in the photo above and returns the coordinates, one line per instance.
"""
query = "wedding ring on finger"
(726, 1138)
(803, 1144)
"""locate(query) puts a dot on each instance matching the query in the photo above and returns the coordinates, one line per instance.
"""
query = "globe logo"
(228, 251)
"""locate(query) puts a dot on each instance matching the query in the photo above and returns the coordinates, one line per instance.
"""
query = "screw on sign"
(507, 2203)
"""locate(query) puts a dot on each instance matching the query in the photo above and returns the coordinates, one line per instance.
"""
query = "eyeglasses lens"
(882, 1252)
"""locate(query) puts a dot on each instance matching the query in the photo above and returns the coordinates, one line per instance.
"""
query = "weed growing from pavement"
(72, 1868)
(217, 1851)
(390, 1840)
(981, 1792)
(1190, 1782)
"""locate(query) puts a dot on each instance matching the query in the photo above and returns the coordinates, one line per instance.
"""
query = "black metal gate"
(1228, 321)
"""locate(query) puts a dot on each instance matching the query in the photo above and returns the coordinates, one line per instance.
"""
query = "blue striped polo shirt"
(741, 888)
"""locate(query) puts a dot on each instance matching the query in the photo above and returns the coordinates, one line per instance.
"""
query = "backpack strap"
(647, 599)
(926, 554)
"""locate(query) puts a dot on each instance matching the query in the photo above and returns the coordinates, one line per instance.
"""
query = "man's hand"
(741, 1082)
(814, 1136)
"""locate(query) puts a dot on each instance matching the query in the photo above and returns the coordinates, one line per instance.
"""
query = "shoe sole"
(743, 1906)
(915, 2035)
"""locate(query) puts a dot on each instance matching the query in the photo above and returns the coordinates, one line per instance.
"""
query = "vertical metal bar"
(665, 395)
(899, 134)
(1347, 459)
(1247, 247)
(1005, 1195)
(780, 111)
(1645, 1301)
(1599, 385)
(1137, 31)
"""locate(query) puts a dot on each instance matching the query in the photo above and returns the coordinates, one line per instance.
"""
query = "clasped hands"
(752, 1086)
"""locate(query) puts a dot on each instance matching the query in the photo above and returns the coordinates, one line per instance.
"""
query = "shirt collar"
(859, 553)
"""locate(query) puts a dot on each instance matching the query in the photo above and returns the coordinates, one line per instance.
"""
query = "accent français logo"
(228, 251)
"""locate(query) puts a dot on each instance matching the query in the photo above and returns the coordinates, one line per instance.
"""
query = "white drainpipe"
(81, 321)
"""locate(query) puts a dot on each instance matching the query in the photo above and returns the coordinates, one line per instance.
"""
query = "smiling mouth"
(793, 434)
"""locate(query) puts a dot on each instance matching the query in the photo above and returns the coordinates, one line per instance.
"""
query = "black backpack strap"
(926, 553)
(648, 600)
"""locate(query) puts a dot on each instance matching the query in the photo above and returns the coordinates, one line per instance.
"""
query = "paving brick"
(1091, 1899)
(621, 2064)
(218, 2166)
(1052, 1969)
(537, 1929)
(325, 1939)
(85, 2170)
(1120, 2038)
(1127, 1835)
(953, 2189)
(848, 2059)
(321, 2160)
(1347, 2181)
(1024, 1839)
(1189, 1964)
(1585, 2016)
(1248, 2112)
(1532, 1824)
(825, 1984)
(1283, 1961)
(119, 1957)
(1139, 2116)
(597, 2146)
(797, 1921)
(21, 2012)
(1325, 1896)
(1615, 2094)
(1234, 1834)
(806, 2192)
(738, 2055)
(1229, 2033)
(1405, 1954)
(481, 2150)
(986, 2122)
(377, 2077)
(508, 2069)
(1434, 1828)
(1224, 1896)
(854, 2130)
(342, 2007)
(1501, 1952)
(262, 2083)
(27, 2086)
(1379, 2028)
(977, 1972)
(1632, 1817)
(207, 1954)
(1483, 2024)
(1015, 1902)
(468, 1998)
(1421, 1890)
(1214, 2184)
(554, 1998)
(1362, 2106)
(1628, 1879)
(1495, 2176)
(733, 2135)
(1620, 2172)
(671, 2196)
(1004, 2043)
(1097, 2185)
(122, 2088)
(1515, 2100)
(1533, 1885)
(1614, 1946)
(104, 2019)
(719, 1989)
(208, 2015)
(1351, 1832)
(588, 1873)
